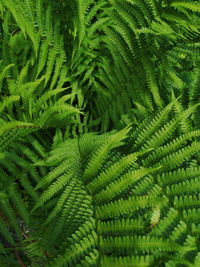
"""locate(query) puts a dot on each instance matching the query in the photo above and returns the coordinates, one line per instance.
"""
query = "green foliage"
(110, 198)
(99, 128)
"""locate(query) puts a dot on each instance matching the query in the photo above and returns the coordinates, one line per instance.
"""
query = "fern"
(99, 150)
(129, 219)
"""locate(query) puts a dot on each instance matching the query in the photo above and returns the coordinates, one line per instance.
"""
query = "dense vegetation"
(100, 133)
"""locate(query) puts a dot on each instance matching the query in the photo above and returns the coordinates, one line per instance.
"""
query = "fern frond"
(124, 206)
(191, 5)
(120, 185)
(133, 261)
(139, 243)
(122, 227)
(105, 177)
(97, 159)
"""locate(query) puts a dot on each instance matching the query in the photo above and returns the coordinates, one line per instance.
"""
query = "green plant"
(109, 198)
(72, 193)
(133, 55)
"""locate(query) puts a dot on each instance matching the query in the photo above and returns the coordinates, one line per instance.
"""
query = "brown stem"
(19, 259)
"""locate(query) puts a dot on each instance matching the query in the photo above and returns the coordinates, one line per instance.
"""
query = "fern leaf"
(97, 160)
